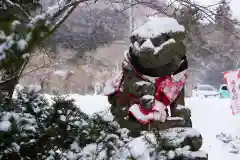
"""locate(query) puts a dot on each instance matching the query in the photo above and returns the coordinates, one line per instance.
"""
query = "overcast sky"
(235, 6)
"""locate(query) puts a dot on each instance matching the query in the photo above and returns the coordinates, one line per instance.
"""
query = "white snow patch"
(137, 45)
(138, 148)
(5, 46)
(88, 104)
(77, 123)
(16, 90)
(58, 151)
(174, 118)
(134, 109)
(63, 118)
(2, 35)
(74, 146)
(109, 89)
(36, 19)
(4, 126)
(157, 26)
(141, 83)
(106, 115)
(180, 106)
(22, 44)
(15, 147)
(194, 154)
(147, 44)
(148, 97)
(29, 127)
(211, 117)
(92, 149)
(60, 112)
(91, 104)
(15, 24)
(171, 154)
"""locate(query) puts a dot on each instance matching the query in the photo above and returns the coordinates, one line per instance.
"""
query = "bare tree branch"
(17, 6)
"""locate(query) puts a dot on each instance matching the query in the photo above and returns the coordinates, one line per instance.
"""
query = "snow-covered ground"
(213, 117)
(210, 116)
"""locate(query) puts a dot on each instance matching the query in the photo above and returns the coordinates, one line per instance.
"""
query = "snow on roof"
(157, 26)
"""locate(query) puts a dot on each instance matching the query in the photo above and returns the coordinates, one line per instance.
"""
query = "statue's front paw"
(147, 101)
(156, 113)
(140, 114)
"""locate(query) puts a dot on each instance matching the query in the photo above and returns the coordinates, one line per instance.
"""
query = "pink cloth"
(168, 89)
(113, 85)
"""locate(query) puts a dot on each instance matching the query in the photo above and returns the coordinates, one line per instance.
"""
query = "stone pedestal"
(175, 134)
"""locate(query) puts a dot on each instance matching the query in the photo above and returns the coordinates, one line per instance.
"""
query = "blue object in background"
(223, 91)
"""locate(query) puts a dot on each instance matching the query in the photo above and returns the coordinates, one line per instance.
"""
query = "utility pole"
(130, 18)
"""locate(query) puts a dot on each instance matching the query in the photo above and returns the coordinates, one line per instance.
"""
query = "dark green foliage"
(9, 12)
(38, 130)
(17, 38)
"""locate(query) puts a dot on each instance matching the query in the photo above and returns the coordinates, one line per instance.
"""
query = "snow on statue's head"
(159, 42)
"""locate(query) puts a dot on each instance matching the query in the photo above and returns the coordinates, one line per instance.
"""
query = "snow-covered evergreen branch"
(18, 38)
(39, 26)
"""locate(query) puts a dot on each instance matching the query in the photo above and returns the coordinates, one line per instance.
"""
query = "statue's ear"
(183, 65)
(137, 38)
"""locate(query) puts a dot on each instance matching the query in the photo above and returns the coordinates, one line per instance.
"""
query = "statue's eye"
(157, 41)
(141, 41)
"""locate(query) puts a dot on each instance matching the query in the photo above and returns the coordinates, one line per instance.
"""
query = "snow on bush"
(230, 142)
(35, 129)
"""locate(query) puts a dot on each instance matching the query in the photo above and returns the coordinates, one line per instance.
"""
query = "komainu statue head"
(158, 44)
